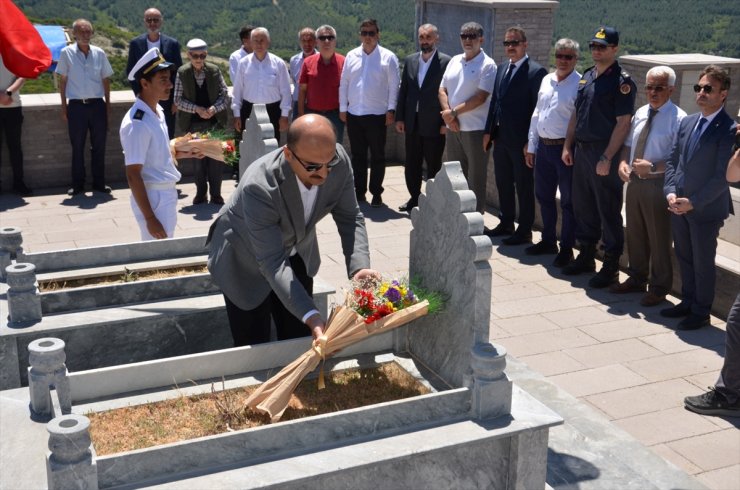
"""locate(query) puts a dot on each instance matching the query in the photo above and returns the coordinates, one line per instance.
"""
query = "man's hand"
(454, 126)
(343, 117)
(680, 205)
(173, 109)
(366, 274)
(193, 153)
(282, 124)
(155, 228)
(316, 324)
(624, 171)
(238, 124)
(64, 113)
(203, 112)
(567, 157)
(529, 159)
(602, 167)
(5, 99)
(400, 127)
(641, 167)
(447, 116)
(390, 117)
(486, 141)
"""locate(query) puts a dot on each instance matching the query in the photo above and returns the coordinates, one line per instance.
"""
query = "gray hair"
(79, 22)
(260, 30)
(429, 27)
(326, 27)
(566, 43)
(470, 27)
(662, 71)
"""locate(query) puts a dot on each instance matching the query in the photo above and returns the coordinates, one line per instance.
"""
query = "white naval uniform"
(145, 140)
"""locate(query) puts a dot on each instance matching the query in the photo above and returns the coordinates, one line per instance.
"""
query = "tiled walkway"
(623, 360)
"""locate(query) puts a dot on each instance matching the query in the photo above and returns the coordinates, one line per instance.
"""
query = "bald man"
(263, 247)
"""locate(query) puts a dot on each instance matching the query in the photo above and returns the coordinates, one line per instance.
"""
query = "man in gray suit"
(263, 247)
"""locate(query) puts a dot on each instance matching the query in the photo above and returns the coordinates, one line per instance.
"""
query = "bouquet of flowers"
(214, 144)
(373, 306)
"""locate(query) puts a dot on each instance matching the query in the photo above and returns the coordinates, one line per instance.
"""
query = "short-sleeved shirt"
(6, 80)
(601, 99)
(85, 74)
(463, 79)
(322, 81)
(145, 141)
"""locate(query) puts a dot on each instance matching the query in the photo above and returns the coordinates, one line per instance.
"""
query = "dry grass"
(127, 276)
(183, 418)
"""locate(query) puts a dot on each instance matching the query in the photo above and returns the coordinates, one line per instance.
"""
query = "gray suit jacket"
(254, 233)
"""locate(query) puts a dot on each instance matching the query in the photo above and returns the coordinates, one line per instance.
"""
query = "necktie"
(507, 79)
(642, 139)
(694, 140)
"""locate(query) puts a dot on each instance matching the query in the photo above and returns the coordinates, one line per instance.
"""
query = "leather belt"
(85, 101)
(650, 176)
(322, 112)
(551, 142)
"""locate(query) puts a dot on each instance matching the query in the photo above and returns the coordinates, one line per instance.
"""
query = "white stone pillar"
(24, 301)
(10, 247)
(491, 386)
(70, 461)
(48, 371)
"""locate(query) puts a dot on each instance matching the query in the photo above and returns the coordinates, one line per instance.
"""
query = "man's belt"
(315, 111)
(85, 101)
(650, 176)
(551, 142)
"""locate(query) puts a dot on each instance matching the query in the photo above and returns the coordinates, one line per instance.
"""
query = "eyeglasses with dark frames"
(515, 42)
(153, 20)
(469, 37)
(198, 56)
(568, 57)
(368, 33)
(706, 88)
(655, 88)
(326, 38)
(315, 167)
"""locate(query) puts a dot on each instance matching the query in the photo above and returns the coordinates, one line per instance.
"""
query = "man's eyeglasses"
(368, 33)
(515, 42)
(198, 56)
(599, 47)
(655, 88)
(153, 20)
(468, 37)
(706, 88)
(326, 38)
(315, 167)
(568, 57)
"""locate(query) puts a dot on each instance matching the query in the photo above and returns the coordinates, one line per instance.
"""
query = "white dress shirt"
(462, 79)
(234, 60)
(369, 82)
(424, 67)
(85, 74)
(663, 131)
(262, 82)
(556, 102)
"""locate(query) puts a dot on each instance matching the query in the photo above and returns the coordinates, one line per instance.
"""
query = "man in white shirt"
(642, 167)
(464, 95)
(246, 48)
(368, 91)
(11, 121)
(262, 78)
(307, 40)
(547, 130)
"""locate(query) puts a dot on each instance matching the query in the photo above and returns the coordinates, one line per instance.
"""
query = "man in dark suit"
(512, 103)
(170, 49)
(698, 195)
(263, 247)
(418, 112)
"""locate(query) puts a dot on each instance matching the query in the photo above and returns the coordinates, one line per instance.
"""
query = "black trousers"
(729, 381)
(82, 118)
(169, 118)
(515, 183)
(208, 173)
(253, 326)
(11, 121)
(273, 111)
(367, 133)
(419, 149)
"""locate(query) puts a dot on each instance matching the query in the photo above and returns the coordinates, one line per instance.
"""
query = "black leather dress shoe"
(542, 248)
(73, 191)
(502, 229)
(22, 190)
(407, 206)
(693, 322)
(518, 239)
(103, 188)
(564, 257)
(677, 311)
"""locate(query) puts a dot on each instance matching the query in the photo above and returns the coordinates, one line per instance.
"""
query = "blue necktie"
(694, 140)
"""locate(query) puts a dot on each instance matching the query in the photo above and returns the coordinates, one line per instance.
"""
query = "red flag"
(24, 52)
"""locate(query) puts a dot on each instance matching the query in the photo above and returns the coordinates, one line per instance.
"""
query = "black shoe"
(199, 200)
(678, 311)
(583, 263)
(22, 190)
(217, 200)
(408, 206)
(693, 322)
(712, 403)
(542, 248)
(73, 191)
(376, 202)
(608, 274)
(103, 188)
(518, 239)
(563, 258)
(501, 229)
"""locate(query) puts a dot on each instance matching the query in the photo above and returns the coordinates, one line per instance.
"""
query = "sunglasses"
(468, 37)
(315, 167)
(568, 57)
(599, 47)
(655, 88)
(198, 56)
(706, 88)
(512, 43)
(153, 21)
(368, 33)
(327, 38)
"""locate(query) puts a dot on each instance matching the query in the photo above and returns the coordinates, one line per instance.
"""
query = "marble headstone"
(449, 254)
(258, 137)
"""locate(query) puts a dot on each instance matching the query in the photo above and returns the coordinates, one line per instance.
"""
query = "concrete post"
(24, 301)
(70, 462)
(491, 386)
(10, 247)
(46, 371)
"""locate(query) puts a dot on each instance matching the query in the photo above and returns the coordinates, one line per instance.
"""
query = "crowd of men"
(577, 133)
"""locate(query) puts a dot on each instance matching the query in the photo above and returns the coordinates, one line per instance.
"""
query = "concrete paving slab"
(666, 426)
(537, 343)
(721, 479)
(598, 380)
(678, 365)
(711, 451)
(669, 454)
(526, 324)
(673, 342)
(612, 352)
(642, 399)
(552, 363)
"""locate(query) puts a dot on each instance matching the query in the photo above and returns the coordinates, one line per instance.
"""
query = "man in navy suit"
(512, 103)
(170, 49)
(698, 195)
(418, 112)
